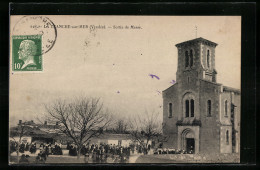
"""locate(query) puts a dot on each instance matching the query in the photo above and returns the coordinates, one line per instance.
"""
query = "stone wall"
(209, 133)
(237, 113)
(169, 123)
(204, 49)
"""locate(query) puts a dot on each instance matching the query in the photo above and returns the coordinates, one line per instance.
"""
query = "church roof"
(200, 39)
(169, 87)
(230, 89)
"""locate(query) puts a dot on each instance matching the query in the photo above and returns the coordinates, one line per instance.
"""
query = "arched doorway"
(188, 141)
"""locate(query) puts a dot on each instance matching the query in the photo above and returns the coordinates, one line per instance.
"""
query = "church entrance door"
(190, 145)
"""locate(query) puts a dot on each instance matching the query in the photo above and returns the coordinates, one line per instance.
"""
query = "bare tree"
(80, 119)
(120, 126)
(146, 128)
(21, 130)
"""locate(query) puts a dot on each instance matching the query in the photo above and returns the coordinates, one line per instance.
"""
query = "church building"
(199, 114)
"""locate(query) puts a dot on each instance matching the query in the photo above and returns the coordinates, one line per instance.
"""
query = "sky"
(114, 64)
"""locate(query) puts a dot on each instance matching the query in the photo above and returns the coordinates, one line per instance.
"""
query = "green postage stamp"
(27, 52)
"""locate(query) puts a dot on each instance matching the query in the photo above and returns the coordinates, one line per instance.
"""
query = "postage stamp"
(27, 53)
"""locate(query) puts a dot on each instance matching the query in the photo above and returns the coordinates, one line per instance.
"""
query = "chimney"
(45, 122)
(20, 122)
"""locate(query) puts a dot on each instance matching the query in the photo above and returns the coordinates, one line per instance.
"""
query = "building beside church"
(199, 114)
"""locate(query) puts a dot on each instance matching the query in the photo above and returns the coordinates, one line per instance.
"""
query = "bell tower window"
(208, 58)
(191, 108)
(209, 107)
(186, 59)
(191, 58)
(226, 109)
(187, 107)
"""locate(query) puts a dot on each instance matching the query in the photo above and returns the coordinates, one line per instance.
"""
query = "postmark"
(28, 56)
(37, 25)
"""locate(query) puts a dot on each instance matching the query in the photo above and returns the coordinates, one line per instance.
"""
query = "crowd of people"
(22, 148)
(44, 150)
(103, 153)
(94, 153)
(49, 149)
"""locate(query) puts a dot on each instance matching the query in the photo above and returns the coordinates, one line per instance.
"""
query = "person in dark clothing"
(145, 151)
(122, 158)
(94, 156)
(68, 146)
(33, 148)
(46, 150)
(70, 149)
(128, 152)
(98, 157)
(133, 149)
(22, 147)
(43, 155)
(105, 158)
(23, 160)
(73, 151)
(39, 159)
(83, 150)
(41, 145)
(26, 146)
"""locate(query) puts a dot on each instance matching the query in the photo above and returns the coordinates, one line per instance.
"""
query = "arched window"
(191, 58)
(227, 137)
(187, 108)
(208, 58)
(209, 107)
(186, 59)
(188, 105)
(170, 109)
(191, 108)
(226, 107)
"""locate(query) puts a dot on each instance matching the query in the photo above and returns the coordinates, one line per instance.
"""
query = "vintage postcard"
(124, 89)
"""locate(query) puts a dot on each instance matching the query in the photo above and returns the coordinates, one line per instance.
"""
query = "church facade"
(199, 114)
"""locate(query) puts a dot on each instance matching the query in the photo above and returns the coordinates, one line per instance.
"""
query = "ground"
(155, 159)
(52, 159)
(139, 158)
(69, 159)
(65, 158)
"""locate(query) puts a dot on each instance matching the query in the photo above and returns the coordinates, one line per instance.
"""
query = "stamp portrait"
(27, 50)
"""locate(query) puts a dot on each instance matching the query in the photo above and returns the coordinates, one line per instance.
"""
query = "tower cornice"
(197, 40)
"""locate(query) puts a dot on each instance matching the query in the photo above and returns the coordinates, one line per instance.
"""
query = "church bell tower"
(196, 60)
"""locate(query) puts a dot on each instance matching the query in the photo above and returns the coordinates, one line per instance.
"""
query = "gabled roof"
(200, 39)
(169, 87)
